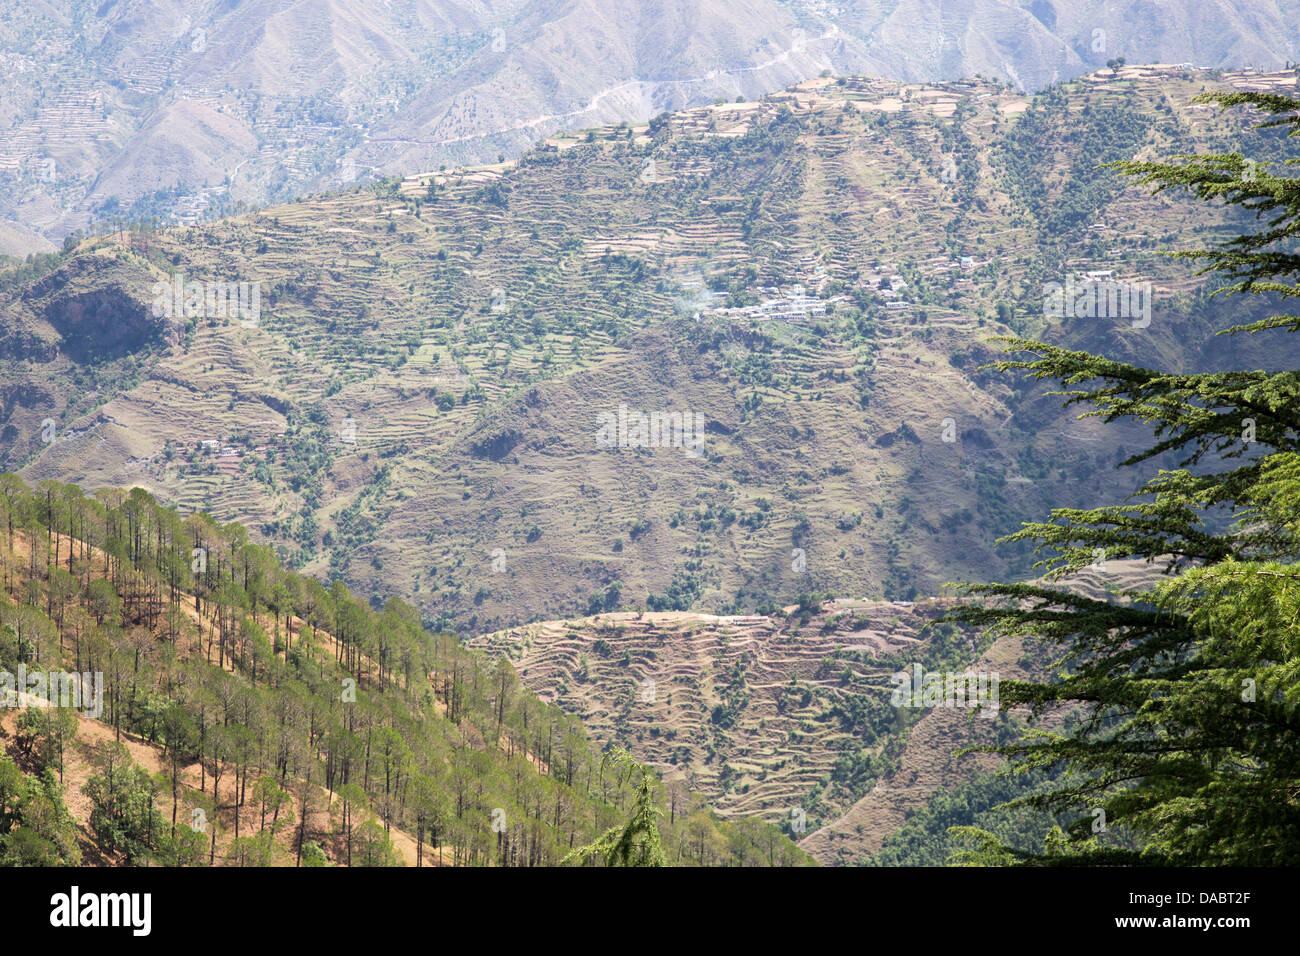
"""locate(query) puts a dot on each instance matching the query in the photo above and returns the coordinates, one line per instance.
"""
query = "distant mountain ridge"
(136, 110)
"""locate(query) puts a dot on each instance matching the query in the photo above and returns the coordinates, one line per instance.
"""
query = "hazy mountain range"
(140, 108)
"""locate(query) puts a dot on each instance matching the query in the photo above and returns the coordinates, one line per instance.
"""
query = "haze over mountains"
(133, 109)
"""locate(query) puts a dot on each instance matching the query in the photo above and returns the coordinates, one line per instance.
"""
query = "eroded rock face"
(496, 446)
(102, 325)
(91, 310)
(69, 341)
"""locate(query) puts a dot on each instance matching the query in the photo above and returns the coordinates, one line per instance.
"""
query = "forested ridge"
(238, 694)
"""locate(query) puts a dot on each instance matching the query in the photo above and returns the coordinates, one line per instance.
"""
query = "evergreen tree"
(1190, 738)
(637, 842)
(181, 616)
(122, 816)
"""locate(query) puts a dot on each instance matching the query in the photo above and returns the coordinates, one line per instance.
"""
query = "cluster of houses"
(227, 451)
(891, 288)
(793, 306)
(883, 281)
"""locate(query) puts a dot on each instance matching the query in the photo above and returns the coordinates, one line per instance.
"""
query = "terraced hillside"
(765, 713)
(927, 762)
(427, 399)
(787, 716)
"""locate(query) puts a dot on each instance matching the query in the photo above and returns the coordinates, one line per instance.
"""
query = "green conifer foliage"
(1189, 746)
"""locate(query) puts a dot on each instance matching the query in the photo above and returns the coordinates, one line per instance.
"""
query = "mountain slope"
(789, 713)
(418, 404)
(204, 661)
(132, 109)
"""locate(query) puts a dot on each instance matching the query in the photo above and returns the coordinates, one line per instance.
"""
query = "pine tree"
(1190, 733)
(637, 842)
